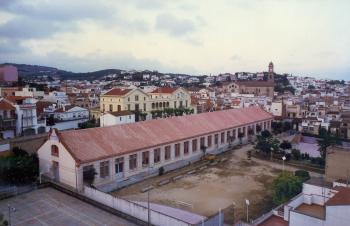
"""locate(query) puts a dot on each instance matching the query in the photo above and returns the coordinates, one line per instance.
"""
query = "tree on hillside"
(285, 186)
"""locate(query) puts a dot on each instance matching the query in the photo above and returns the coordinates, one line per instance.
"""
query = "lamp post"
(283, 158)
(247, 204)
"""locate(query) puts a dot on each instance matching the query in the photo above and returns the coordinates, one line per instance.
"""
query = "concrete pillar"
(172, 152)
(139, 161)
(190, 152)
(151, 157)
(126, 165)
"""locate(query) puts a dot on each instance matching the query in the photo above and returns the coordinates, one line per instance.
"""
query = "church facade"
(258, 88)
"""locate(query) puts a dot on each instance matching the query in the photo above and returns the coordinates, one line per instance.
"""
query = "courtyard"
(207, 188)
(48, 206)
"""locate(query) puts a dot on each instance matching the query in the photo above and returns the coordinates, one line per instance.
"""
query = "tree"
(240, 137)
(277, 127)
(311, 87)
(19, 169)
(204, 149)
(322, 131)
(296, 154)
(266, 134)
(89, 176)
(287, 126)
(285, 186)
(285, 145)
(3, 222)
(325, 142)
(258, 129)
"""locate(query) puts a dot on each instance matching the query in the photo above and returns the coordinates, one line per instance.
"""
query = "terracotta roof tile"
(98, 143)
(164, 90)
(117, 92)
(5, 105)
(341, 198)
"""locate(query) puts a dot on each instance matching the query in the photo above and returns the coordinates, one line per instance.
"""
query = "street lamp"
(247, 204)
(10, 209)
(284, 159)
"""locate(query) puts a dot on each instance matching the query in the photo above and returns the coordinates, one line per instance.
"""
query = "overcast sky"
(302, 37)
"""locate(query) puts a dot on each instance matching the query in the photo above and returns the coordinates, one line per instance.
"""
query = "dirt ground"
(216, 187)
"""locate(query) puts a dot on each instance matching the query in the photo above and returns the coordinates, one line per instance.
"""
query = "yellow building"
(118, 99)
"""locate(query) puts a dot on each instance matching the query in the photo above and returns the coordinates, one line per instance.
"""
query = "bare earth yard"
(216, 187)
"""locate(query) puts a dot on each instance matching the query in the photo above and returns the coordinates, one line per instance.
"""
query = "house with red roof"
(137, 100)
(123, 154)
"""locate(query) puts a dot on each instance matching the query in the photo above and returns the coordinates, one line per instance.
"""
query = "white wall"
(67, 170)
(297, 219)
(337, 215)
(111, 120)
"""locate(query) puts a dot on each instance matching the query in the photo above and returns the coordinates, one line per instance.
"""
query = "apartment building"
(119, 99)
(19, 117)
(127, 152)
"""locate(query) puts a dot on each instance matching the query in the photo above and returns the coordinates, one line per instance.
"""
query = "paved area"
(51, 207)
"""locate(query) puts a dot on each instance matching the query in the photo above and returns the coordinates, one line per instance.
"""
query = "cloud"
(27, 28)
(11, 47)
(235, 58)
(173, 25)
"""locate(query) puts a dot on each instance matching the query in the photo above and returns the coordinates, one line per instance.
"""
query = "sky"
(301, 37)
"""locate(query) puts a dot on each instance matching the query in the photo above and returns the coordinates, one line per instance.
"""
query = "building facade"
(116, 118)
(133, 149)
(118, 99)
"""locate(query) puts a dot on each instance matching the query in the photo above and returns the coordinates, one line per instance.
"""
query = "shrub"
(296, 154)
(288, 156)
(89, 176)
(285, 186)
(161, 171)
(302, 174)
(318, 160)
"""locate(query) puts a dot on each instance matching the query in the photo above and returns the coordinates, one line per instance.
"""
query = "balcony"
(7, 123)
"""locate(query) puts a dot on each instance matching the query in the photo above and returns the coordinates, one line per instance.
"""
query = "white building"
(60, 98)
(27, 122)
(29, 92)
(125, 153)
(69, 112)
(319, 204)
(116, 118)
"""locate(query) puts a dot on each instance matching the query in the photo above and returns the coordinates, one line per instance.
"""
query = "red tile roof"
(164, 90)
(118, 92)
(274, 221)
(14, 99)
(99, 143)
(5, 105)
(341, 198)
